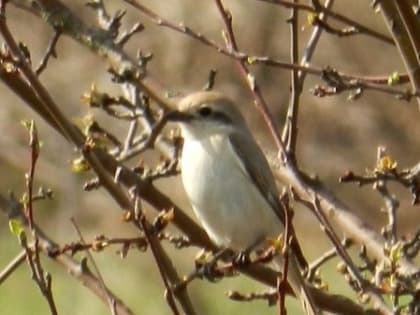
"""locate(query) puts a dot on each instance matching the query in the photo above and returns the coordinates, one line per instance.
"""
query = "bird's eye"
(204, 111)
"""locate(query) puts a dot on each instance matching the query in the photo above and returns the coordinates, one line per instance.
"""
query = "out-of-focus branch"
(405, 30)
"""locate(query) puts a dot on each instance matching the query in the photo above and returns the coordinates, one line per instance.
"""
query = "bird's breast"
(223, 196)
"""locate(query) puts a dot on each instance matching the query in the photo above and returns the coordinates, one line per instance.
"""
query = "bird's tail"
(299, 287)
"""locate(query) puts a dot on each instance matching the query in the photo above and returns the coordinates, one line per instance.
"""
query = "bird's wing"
(255, 165)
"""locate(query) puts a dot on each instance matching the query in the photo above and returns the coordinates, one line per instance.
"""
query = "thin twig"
(406, 177)
(328, 255)
(111, 301)
(361, 282)
(98, 244)
(391, 207)
(345, 32)
(282, 284)
(12, 266)
(211, 80)
(291, 125)
(313, 42)
(269, 296)
(141, 219)
(250, 80)
(29, 177)
(41, 278)
(50, 52)
(339, 17)
(337, 244)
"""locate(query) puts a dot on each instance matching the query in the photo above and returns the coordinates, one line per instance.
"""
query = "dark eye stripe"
(219, 116)
(205, 111)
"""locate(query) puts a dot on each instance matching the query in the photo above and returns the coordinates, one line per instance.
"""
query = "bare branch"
(334, 15)
(405, 30)
(12, 266)
(50, 52)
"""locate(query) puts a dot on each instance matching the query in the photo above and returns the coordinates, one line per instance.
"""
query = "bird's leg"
(206, 268)
(243, 259)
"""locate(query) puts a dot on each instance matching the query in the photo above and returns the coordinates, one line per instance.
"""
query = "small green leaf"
(79, 165)
(394, 78)
(395, 252)
(385, 164)
(250, 60)
(15, 227)
(311, 18)
(24, 200)
(26, 123)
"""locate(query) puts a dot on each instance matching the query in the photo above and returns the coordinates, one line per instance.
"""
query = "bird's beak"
(178, 116)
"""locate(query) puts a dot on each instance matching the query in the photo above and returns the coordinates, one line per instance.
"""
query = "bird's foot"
(242, 259)
(206, 265)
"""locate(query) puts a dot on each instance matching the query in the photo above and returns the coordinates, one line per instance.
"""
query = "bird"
(229, 183)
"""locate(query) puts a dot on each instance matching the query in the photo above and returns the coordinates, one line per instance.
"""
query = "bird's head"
(203, 114)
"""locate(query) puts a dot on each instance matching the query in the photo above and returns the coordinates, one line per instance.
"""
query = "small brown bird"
(229, 182)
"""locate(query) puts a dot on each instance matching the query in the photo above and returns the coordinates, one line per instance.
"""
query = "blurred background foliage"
(335, 135)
